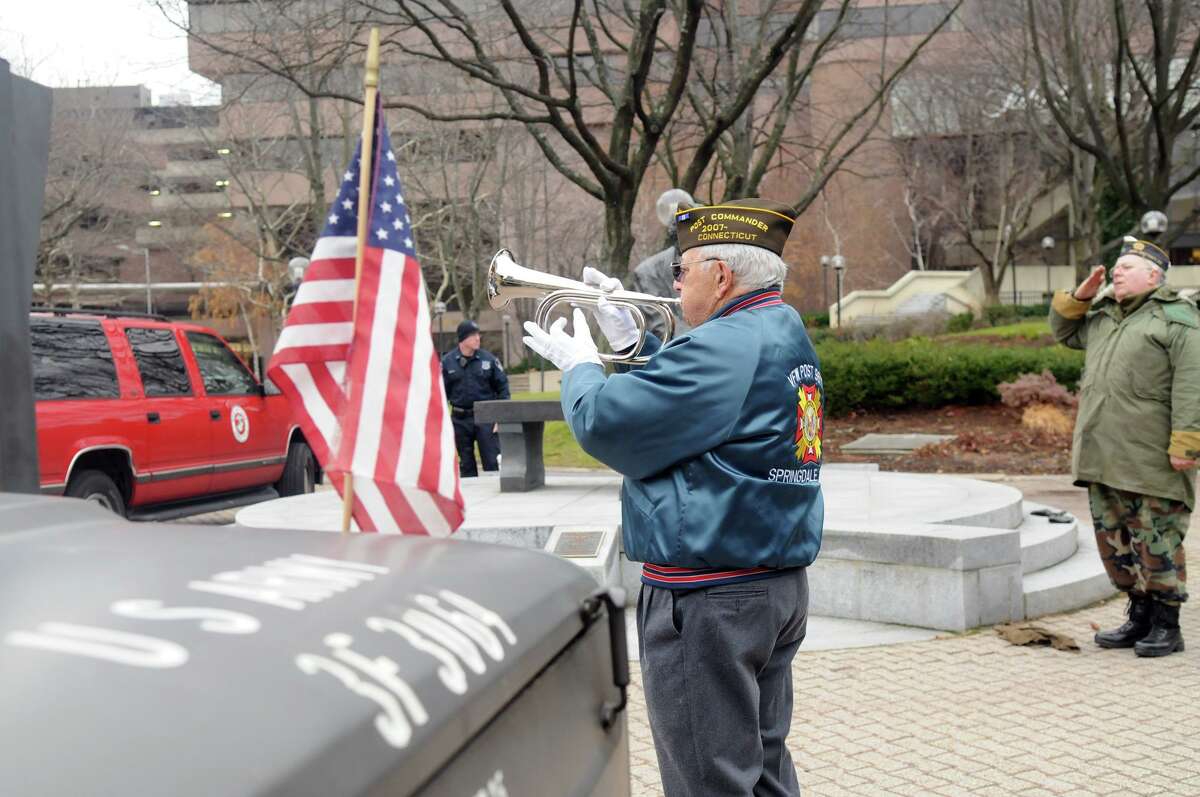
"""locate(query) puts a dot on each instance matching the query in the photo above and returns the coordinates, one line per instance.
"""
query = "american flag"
(367, 390)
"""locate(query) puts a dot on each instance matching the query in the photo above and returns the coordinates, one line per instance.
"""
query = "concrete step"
(1045, 544)
(1070, 584)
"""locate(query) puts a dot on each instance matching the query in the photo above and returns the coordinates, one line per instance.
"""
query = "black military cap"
(1145, 250)
(753, 222)
(466, 329)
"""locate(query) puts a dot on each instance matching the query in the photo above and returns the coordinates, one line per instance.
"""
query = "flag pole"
(371, 84)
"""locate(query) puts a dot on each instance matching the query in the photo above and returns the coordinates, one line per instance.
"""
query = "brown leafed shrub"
(1030, 389)
(1048, 419)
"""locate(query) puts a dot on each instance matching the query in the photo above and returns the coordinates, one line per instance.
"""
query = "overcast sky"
(100, 43)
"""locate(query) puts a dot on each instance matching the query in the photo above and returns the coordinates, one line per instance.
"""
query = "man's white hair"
(1151, 266)
(752, 266)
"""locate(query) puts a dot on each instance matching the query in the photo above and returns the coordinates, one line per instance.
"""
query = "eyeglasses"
(678, 270)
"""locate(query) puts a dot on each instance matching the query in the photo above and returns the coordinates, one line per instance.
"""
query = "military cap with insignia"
(1146, 251)
(753, 222)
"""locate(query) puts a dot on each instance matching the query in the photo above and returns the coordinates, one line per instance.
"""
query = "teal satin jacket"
(719, 440)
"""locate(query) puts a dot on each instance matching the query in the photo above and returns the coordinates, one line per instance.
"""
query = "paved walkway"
(975, 715)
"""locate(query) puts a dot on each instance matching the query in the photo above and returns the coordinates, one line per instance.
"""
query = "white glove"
(565, 351)
(615, 322)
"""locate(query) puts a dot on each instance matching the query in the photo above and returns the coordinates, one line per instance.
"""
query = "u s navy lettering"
(463, 637)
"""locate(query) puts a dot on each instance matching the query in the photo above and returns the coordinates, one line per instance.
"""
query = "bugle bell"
(507, 280)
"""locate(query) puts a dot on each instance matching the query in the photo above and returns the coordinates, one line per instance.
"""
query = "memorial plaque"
(579, 544)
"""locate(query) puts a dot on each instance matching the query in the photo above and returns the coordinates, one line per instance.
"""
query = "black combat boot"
(1140, 610)
(1165, 637)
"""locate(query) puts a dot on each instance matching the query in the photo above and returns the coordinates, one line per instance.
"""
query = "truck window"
(221, 370)
(71, 360)
(159, 361)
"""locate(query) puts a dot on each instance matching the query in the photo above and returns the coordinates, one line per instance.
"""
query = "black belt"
(462, 410)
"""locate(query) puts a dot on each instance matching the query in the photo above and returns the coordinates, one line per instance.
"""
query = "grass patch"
(559, 449)
(1029, 330)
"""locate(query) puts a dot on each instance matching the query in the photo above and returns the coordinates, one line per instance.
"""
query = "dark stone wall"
(24, 149)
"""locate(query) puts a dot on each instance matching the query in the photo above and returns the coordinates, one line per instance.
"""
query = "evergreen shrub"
(960, 323)
(881, 375)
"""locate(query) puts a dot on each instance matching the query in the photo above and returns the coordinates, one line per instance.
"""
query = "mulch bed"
(990, 439)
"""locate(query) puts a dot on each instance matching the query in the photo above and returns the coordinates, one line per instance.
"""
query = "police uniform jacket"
(719, 440)
(1139, 398)
(481, 378)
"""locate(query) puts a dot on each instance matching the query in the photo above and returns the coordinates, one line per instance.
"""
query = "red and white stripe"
(397, 440)
(309, 363)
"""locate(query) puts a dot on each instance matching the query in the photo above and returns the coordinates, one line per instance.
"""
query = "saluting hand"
(1090, 286)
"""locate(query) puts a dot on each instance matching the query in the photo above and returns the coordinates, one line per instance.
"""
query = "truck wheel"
(95, 485)
(299, 472)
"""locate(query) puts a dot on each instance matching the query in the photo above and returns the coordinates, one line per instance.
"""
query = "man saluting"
(1137, 435)
(719, 440)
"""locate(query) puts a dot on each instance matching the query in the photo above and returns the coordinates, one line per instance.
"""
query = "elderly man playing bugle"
(719, 440)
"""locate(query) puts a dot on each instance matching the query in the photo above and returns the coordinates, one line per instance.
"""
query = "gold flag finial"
(371, 78)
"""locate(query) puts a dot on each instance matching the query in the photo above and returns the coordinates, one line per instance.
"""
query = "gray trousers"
(716, 668)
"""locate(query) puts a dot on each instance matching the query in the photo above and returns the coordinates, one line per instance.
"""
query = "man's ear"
(724, 278)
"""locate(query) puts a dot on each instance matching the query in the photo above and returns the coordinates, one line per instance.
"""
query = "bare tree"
(585, 79)
(969, 161)
(775, 130)
(1120, 79)
(95, 170)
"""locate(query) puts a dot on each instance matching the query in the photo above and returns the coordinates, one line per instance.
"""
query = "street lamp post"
(506, 318)
(149, 298)
(839, 267)
(825, 282)
(1153, 224)
(146, 259)
(296, 268)
(1047, 245)
(439, 311)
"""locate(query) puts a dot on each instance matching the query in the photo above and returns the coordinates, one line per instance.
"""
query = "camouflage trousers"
(1140, 538)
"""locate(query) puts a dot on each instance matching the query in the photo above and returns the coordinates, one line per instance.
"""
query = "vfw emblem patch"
(809, 424)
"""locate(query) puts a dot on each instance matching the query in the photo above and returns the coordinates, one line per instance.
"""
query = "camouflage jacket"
(1139, 399)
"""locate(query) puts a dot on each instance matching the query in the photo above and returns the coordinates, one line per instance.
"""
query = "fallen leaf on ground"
(1027, 634)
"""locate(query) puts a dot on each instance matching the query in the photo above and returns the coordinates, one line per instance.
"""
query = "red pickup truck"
(154, 419)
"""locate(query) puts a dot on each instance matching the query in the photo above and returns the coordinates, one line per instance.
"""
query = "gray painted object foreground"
(24, 150)
(158, 659)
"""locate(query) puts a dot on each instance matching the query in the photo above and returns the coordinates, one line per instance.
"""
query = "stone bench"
(521, 426)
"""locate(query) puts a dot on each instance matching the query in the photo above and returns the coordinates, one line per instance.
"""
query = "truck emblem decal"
(240, 422)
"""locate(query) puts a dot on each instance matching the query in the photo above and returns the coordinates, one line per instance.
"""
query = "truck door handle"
(214, 414)
(153, 417)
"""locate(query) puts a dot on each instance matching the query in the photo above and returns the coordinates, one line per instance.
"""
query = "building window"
(1186, 256)
(915, 19)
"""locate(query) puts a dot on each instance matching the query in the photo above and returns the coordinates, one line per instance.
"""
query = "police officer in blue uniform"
(719, 439)
(473, 374)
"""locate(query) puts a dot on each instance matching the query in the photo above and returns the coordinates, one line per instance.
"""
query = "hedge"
(919, 373)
